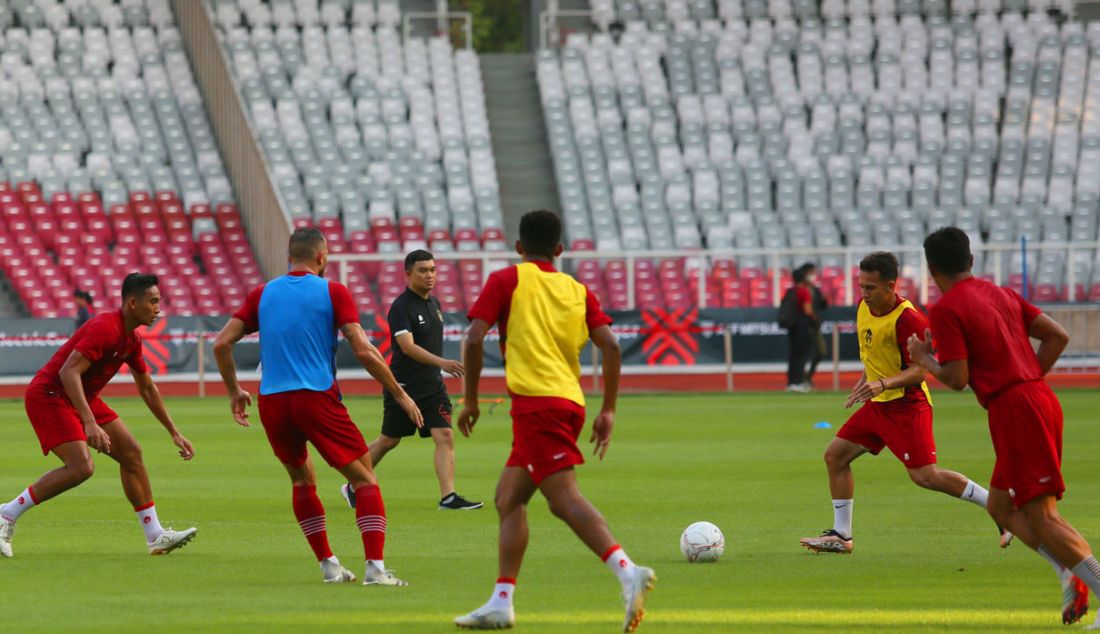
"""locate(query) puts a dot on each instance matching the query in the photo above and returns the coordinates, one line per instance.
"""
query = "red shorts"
(545, 441)
(1025, 423)
(55, 420)
(904, 427)
(292, 418)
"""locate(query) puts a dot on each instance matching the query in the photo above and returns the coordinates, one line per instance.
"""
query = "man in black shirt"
(416, 337)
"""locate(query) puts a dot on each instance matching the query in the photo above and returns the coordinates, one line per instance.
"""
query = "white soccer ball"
(702, 542)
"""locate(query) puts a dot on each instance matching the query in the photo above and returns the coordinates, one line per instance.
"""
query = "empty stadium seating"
(383, 143)
(108, 163)
(739, 125)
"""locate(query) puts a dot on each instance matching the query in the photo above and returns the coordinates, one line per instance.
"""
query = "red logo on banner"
(381, 334)
(670, 336)
(156, 354)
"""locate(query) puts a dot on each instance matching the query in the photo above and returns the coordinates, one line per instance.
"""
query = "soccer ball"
(702, 542)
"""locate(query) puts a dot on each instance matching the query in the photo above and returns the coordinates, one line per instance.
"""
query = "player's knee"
(82, 469)
(444, 437)
(834, 460)
(130, 454)
(924, 478)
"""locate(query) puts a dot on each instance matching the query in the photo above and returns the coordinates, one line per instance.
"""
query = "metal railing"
(703, 260)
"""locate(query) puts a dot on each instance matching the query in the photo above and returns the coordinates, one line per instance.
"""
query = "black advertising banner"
(686, 337)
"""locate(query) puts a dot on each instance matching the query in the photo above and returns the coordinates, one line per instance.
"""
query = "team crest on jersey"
(421, 318)
(867, 335)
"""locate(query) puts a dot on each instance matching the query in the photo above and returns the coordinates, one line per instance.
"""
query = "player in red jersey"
(68, 416)
(547, 318)
(298, 317)
(982, 333)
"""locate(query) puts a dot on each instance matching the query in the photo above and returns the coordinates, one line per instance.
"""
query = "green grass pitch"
(751, 463)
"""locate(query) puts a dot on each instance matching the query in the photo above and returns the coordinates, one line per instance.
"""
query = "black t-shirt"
(411, 313)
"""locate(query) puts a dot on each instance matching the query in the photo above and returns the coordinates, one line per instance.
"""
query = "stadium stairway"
(516, 124)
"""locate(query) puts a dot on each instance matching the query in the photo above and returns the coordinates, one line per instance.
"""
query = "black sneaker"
(455, 502)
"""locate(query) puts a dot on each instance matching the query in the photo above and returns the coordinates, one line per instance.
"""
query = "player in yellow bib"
(897, 407)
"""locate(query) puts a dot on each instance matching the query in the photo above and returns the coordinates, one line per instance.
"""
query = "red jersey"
(986, 325)
(105, 342)
(493, 307)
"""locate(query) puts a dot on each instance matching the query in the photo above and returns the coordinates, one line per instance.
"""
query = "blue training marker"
(823, 425)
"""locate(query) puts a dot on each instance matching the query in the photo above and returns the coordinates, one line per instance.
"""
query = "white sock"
(975, 494)
(1060, 570)
(147, 515)
(620, 564)
(842, 517)
(22, 502)
(502, 594)
(1089, 572)
(378, 564)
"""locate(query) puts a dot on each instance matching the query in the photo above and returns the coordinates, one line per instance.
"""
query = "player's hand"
(864, 392)
(467, 418)
(601, 432)
(239, 403)
(454, 368)
(920, 351)
(413, 412)
(97, 438)
(187, 452)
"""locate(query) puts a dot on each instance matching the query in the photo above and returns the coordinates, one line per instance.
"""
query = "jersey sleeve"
(594, 315)
(495, 296)
(344, 310)
(136, 360)
(95, 339)
(910, 322)
(249, 313)
(1029, 310)
(947, 332)
(398, 318)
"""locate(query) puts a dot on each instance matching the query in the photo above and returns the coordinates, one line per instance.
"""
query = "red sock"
(311, 517)
(370, 515)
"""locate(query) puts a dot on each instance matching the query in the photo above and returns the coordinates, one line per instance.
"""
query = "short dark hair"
(419, 255)
(798, 275)
(947, 250)
(305, 242)
(882, 262)
(136, 284)
(540, 232)
(808, 266)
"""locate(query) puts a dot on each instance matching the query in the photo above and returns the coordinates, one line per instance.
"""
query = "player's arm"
(420, 355)
(374, 363)
(473, 354)
(612, 355)
(955, 374)
(75, 366)
(151, 395)
(1052, 337)
(239, 399)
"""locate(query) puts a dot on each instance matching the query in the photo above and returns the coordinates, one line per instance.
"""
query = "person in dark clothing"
(84, 310)
(799, 335)
(818, 349)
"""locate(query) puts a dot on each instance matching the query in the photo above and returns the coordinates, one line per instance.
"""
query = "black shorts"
(435, 408)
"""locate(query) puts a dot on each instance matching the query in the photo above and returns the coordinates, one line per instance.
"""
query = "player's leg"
(76, 467)
(310, 513)
(838, 457)
(382, 446)
(437, 423)
(514, 491)
(325, 421)
(1068, 552)
(569, 505)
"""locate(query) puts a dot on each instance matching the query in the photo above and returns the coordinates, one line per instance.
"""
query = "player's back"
(991, 321)
(547, 329)
(297, 334)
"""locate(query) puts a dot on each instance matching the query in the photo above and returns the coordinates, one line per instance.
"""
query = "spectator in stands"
(817, 340)
(799, 334)
(84, 309)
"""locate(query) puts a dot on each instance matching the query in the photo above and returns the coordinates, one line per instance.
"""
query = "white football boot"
(486, 618)
(170, 540)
